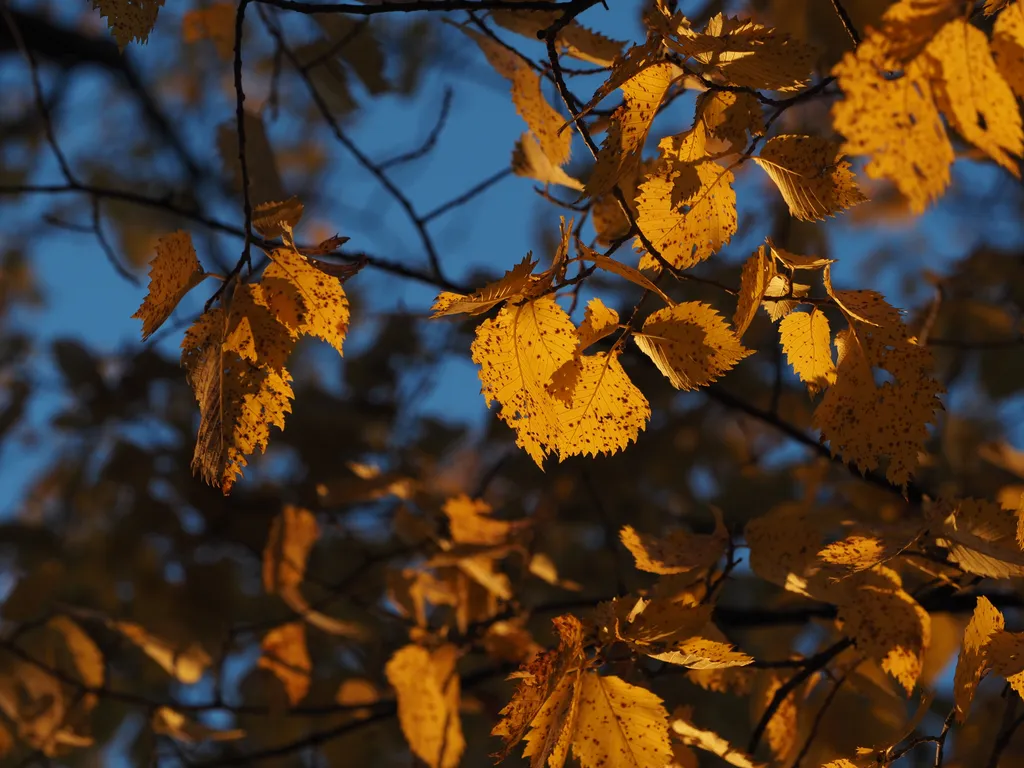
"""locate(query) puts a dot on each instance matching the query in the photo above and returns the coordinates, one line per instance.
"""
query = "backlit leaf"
(284, 653)
(186, 664)
(292, 535)
(529, 160)
(129, 20)
(1008, 46)
(758, 271)
(174, 271)
(972, 662)
(513, 284)
(807, 342)
(676, 551)
(619, 724)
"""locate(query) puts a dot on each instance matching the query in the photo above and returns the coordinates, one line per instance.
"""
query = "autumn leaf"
(807, 343)
(129, 20)
(810, 173)
(619, 724)
(427, 687)
(304, 299)
(729, 116)
(284, 653)
(972, 662)
(544, 120)
(552, 730)
(981, 536)
(174, 271)
(609, 264)
(292, 535)
(783, 545)
(170, 722)
(216, 24)
(757, 273)
(574, 39)
(974, 96)
(1008, 46)
(687, 223)
(599, 321)
(684, 729)
(529, 160)
(691, 344)
(186, 664)
(238, 401)
(894, 121)
(471, 522)
(276, 219)
(254, 332)
(512, 285)
(87, 657)
(676, 551)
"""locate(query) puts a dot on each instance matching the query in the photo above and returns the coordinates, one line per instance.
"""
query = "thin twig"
(847, 23)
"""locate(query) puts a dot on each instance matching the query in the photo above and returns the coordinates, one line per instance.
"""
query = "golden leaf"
(185, 664)
(512, 285)
(889, 626)
(748, 54)
(702, 653)
(807, 342)
(254, 332)
(551, 731)
(529, 160)
(981, 537)
(676, 551)
(518, 351)
(1008, 46)
(994, 6)
(691, 344)
(1006, 655)
(470, 522)
(275, 219)
(686, 229)
(798, 260)
(543, 119)
(170, 722)
(619, 724)
(292, 535)
(972, 662)
(908, 26)
(216, 24)
(730, 116)
(859, 553)
(129, 19)
(810, 173)
(621, 151)
(598, 321)
(783, 544)
(895, 121)
(779, 286)
(709, 741)
(783, 727)
(974, 96)
(574, 39)
(757, 273)
(238, 401)
(305, 299)
(609, 264)
(284, 653)
(427, 687)
(87, 657)
(174, 271)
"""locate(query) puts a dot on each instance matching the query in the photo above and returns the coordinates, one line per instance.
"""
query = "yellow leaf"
(427, 687)
(305, 299)
(686, 228)
(779, 286)
(518, 351)
(810, 173)
(889, 626)
(676, 551)
(974, 96)
(470, 522)
(908, 26)
(783, 544)
(598, 321)
(543, 119)
(1008, 46)
(238, 402)
(857, 553)
(981, 537)
(284, 653)
(748, 54)
(292, 535)
(609, 264)
(539, 677)
(757, 273)
(994, 6)
(807, 342)
(86, 655)
(512, 285)
(691, 344)
(216, 24)
(170, 722)
(896, 122)
(797, 260)
(621, 151)
(529, 160)
(275, 219)
(730, 116)
(709, 741)
(605, 411)
(619, 724)
(576, 40)
(1006, 655)
(702, 653)
(185, 664)
(129, 19)
(972, 663)
(254, 332)
(551, 731)
(174, 271)
(783, 727)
